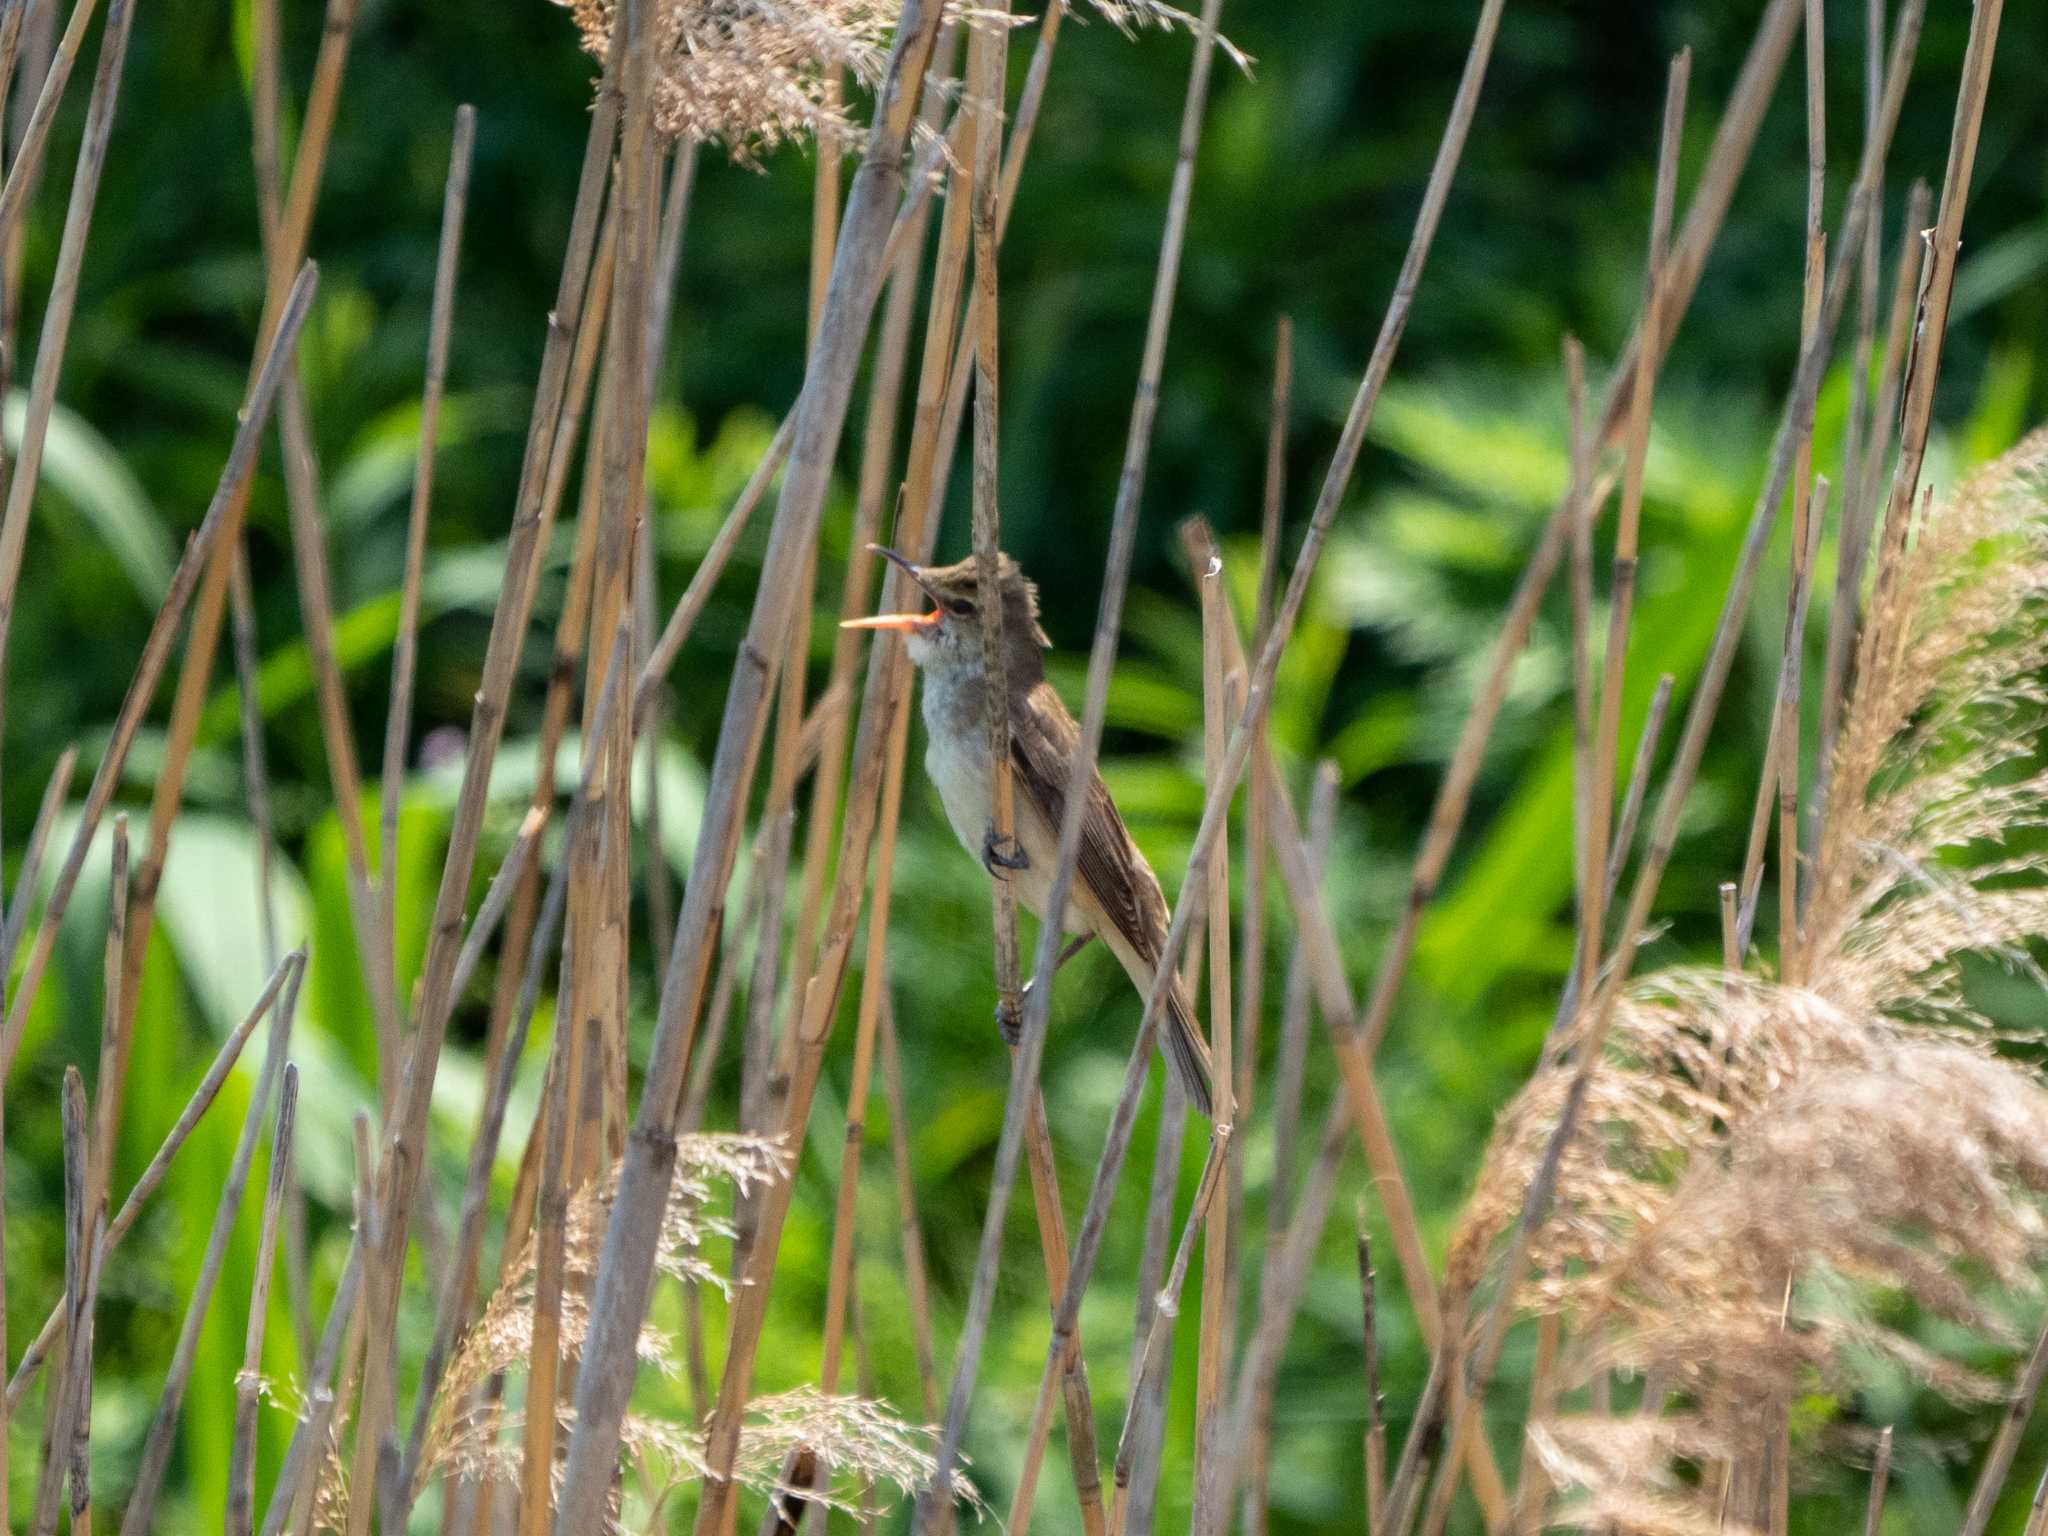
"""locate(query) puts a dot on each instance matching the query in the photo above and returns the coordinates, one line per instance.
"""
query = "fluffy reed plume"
(472, 1436)
(1758, 1163)
(753, 74)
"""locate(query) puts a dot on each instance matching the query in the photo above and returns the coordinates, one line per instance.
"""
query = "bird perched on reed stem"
(1115, 896)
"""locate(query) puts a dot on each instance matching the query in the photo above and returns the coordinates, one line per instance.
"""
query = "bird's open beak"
(903, 623)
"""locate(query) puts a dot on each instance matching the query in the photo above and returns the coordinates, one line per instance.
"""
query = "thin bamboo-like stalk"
(294, 1487)
(63, 303)
(1135, 1497)
(405, 648)
(70, 1382)
(78, 1451)
(915, 1279)
(370, 1414)
(285, 257)
(1880, 1478)
(1733, 140)
(1215, 1345)
(1806, 525)
(156, 1449)
(241, 1509)
(149, 669)
(1857, 516)
(1289, 1071)
(1146, 1401)
(544, 1358)
(2005, 1444)
(404, 1143)
(1474, 1374)
(152, 1176)
(1861, 431)
(1628, 521)
(1025, 1064)
(519, 858)
(1580, 515)
(1251, 940)
(625, 1269)
(1375, 1404)
(255, 765)
(337, 734)
(1532, 1484)
(1360, 1101)
(54, 791)
(458, 1285)
(32, 137)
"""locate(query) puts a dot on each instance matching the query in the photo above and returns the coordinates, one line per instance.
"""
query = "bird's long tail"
(1181, 1039)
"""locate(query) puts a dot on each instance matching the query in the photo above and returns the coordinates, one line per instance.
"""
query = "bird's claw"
(1010, 1020)
(999, 854)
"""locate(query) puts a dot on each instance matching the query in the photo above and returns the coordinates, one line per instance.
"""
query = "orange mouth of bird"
(902, 623)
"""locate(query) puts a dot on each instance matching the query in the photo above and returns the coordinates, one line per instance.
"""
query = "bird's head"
(950, 633)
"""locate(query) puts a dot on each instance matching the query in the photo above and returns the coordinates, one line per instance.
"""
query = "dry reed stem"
(1359, 1100)
(458, 1281)
(1860, 430)
(404, 1141)
(374, 949)
(1857, 516)
(1251, 942)
(1475, 1373)
(2012, 1423)
(1289, 1071)
(18, 909)
(1628, 519)
(1211, 1501)
(241, 1507)
(1532, 1486)
(115, 1035)
(26, 470)
(537, 1459)
(1733, 140)
(152, 1176)
(1580, 516)
(32, 138)
(156, 1449)
(1880, 1477)
(305, 1456)
(877, 453)
(1923, 364)
(61, 1409)
(255, 766)
(625, 1272)
(405, 648)
(1375, 1404)
(149, 669)
(1037, 1009)
(285, 258)
(1154, 1352)
(877, 458)
(1624, 839)
(1136, 1498)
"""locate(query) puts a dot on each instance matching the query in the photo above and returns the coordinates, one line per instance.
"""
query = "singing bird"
(1115, 895)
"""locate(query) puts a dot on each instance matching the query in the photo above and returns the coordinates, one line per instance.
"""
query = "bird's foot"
(1002, 853)
(1010, 1020)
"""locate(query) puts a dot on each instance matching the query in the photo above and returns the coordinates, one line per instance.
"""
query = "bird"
(1115, 896)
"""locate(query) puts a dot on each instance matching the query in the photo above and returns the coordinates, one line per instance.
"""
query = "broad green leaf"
(86, 471)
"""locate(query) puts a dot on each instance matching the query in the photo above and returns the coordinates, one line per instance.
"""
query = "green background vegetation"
(1309, 174)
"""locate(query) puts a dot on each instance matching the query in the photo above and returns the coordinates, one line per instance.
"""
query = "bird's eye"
(962, 606)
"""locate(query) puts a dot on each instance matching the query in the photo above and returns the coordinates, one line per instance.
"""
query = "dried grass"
(1761, 1172)
(753, 75)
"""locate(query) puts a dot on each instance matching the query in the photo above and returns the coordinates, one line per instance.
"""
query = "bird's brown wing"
(1122, 884)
